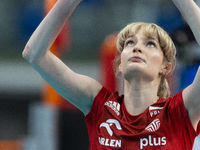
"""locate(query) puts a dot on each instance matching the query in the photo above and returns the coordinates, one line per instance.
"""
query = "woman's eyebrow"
(131, 36)
(152, 38)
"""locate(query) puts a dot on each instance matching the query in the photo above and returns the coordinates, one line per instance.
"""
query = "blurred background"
(32, 115)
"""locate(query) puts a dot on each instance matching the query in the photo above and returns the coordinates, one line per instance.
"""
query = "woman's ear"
(167, 68)
(120, 67)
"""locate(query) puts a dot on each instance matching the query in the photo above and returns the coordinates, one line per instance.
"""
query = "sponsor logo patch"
(154, 110)
(153, 126)
(114, 106)
(152, 141)
(109, 123)
(108, 141)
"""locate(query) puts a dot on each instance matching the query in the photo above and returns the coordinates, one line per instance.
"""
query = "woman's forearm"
(191, 13)
(44, 36)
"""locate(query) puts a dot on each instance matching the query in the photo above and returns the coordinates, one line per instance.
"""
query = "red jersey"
(163, 125)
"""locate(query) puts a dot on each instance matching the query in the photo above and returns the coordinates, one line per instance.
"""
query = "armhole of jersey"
(97, 101)
(184, 113)
(198, 128)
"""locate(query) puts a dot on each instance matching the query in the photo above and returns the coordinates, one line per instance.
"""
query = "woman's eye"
(151, 44)
(129, 43)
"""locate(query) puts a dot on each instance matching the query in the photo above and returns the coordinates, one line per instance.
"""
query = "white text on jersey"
(156, 141)
(109, 142)
(154, 110)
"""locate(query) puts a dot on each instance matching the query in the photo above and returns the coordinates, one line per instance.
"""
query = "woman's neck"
(138, 95)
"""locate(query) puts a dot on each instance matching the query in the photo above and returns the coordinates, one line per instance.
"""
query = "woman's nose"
(137, 49)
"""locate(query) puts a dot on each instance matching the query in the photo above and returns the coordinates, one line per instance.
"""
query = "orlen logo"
(109, 123)
(153, 126)
(108, 141)
(156, 141)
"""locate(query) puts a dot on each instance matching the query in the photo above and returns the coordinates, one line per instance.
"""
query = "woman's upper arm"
(191, 98)
(191, 95)
(78, 89)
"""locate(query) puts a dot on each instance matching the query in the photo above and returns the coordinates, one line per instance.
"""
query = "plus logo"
(152, 142)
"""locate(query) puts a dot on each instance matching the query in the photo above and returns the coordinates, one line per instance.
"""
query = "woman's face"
(142, 56)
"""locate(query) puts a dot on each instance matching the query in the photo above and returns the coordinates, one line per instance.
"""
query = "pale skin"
(135, 71)
(141, 66)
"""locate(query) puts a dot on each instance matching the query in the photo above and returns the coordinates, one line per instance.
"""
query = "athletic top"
(163, 125)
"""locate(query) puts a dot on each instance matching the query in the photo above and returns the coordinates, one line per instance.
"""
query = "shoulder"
(173, 100)
(104, 95)
(177, 98)
(174, 104)
(102, 98)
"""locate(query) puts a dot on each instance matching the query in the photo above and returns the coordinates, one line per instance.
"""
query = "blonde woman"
(145, 116)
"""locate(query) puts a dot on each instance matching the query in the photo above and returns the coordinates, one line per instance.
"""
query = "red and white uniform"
(164, 125)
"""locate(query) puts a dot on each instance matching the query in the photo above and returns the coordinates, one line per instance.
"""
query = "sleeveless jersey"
(163, 125)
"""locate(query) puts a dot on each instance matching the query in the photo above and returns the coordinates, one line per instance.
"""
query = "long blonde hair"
(166, 44)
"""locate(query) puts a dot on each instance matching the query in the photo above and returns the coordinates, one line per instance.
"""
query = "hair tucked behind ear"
(166, 44)
(163, 89)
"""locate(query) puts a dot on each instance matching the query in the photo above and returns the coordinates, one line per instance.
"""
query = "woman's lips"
(137, 59)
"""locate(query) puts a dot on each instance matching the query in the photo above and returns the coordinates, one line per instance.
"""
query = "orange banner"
(11, 145)
(49, 95)
(107, 55)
